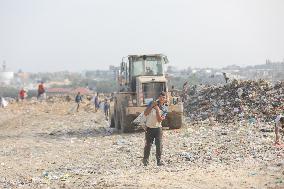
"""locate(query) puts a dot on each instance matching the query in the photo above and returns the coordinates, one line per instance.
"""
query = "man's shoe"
(145, 162)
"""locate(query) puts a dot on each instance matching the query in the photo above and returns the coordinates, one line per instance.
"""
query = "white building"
(5, 76)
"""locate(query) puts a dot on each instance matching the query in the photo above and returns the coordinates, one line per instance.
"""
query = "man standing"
(22, 94)
(78, 100)
(40, 90)
(184, 95)
(225, 77)
(106, 109)
(279, 127)
(156, 112)
(97, 102)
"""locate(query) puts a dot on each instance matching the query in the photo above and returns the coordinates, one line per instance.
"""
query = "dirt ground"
(47, 145)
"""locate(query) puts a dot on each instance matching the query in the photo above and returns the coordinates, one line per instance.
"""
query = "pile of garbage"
(255, 101)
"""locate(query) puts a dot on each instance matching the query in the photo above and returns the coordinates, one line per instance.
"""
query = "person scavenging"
(97, 102)
(155, 113)
(106, 108)
(22, 94)
(40, 90)
(78, 100)
(226, 77)
(279, 128)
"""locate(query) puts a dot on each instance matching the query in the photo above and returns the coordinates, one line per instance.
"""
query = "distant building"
(5, 76)
(55, 91)
(112, 73)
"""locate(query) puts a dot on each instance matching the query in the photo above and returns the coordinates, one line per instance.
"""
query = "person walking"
(97, 102)
(155, 113)
(78, 100)
(106, 108)
(40, 90)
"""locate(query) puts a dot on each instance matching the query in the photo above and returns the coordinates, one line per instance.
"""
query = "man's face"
(162, 99)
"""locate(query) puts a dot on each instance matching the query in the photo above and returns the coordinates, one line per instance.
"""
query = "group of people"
(40, 92)
(23, 94)
(97, 103)
(156, 112)
(78, 99)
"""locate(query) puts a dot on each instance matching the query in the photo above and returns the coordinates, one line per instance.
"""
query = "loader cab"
(144, 65)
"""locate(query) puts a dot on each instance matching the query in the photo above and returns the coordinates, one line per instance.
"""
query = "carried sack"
(140, 120)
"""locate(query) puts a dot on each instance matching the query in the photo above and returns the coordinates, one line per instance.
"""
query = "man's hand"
(154, 104)
(158, 115)
(156, 108)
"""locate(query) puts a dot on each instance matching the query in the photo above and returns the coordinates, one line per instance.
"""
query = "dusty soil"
(45, 145)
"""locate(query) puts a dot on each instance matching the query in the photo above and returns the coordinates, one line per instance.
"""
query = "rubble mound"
(238, 100)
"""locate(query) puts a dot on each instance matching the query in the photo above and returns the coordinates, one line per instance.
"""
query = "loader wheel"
(126, 123)
(117, 120)
(112, 122)
(175, 120)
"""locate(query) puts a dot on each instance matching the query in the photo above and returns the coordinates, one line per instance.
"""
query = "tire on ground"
(112, 122)
(174, 120)
(117, 120)
(126, 123)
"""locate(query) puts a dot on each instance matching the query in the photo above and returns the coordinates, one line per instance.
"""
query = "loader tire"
(112, 122)
(175, 120)
(126, 123)
(117, 120)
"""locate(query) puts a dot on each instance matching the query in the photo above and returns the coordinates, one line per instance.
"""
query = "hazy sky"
(75, 35)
